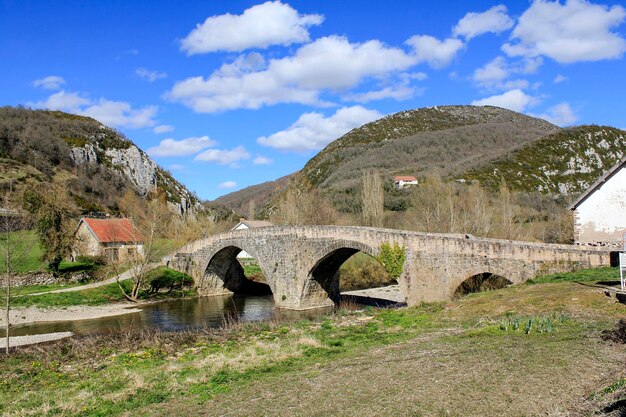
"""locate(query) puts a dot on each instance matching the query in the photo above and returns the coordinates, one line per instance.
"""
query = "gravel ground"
(391, 293)
(38, 338)
(38, 315)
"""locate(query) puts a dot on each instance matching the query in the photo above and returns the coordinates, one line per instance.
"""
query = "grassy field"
(105, 294)
(28, 258)
(459, 358)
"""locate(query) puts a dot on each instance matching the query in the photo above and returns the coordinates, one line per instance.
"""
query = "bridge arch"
(222, 273)
(323, 276)
(480, 279)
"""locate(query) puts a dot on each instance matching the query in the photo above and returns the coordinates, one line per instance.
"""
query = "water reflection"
(178, 315)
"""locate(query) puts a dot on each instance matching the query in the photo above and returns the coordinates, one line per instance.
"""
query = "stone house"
(402, 181)
(600, 212)
(116, 240)
(249, 224)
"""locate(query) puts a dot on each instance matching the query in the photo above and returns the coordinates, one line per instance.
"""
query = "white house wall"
(601, 218)
(243, 254)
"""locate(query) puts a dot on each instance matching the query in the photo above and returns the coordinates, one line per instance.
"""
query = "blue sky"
(227, 94)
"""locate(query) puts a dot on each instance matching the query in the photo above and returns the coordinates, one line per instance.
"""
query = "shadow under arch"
(323, 278)
(483, 281)
(224, 273)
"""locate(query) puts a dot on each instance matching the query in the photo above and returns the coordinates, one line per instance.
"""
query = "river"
(177, 315)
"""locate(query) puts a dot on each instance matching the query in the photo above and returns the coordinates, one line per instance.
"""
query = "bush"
(91, 260)
(163, 278)
(392, 258)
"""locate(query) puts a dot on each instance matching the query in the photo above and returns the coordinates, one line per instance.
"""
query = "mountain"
(260, 194)
(565, 162)
(96, 163)
(442, 140)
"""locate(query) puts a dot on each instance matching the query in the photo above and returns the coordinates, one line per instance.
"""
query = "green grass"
(28, 252)
(403, 359)
(92, 297)
(606, 274)
(163, 247)
(32, 289)
(95, 296)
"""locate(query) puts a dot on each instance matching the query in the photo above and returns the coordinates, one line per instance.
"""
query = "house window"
(132, 253)
(112, 254)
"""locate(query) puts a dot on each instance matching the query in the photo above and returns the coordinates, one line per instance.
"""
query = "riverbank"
(28, 315)
(523, 350)
(17, 341)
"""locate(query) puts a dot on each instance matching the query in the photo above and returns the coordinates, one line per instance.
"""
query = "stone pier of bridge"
(301, 263)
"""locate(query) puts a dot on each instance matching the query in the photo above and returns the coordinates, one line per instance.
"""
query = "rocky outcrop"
(82, 155)
(115, 151)
(136, 166)
(566, 162)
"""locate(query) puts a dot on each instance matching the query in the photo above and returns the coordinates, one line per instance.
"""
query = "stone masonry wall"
(436, 264)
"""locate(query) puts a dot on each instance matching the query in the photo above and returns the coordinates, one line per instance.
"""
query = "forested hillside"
(95, 163)
(434, 141)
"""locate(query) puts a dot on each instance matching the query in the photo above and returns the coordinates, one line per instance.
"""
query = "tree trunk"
(8, 312)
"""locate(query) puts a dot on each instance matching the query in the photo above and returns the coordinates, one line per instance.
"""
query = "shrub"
(392, 258)
(163, 278)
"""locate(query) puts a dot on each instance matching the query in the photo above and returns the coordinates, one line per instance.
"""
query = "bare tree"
(307, 206)
(507, 211)
(251, 209)
(373, 199)
(150, 220)
(53, 215)
(13, 251)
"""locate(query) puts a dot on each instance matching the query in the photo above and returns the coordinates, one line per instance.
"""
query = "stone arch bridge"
(301, 262)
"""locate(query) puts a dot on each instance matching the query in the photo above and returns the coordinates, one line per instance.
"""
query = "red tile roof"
(114, 230)
(404, 178)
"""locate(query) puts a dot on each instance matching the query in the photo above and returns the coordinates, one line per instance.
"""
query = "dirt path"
(123, 276)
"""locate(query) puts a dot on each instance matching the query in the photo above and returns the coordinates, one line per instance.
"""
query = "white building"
(401, 181)
(115, 239)
(600, 213)
(250, 224)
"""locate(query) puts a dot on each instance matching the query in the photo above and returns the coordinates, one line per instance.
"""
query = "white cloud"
(51, 82)
(223, 156)
(329, 63)
(333, 62)
(572, 32)
(436, 53)
(108, 112)
(559, 79)
(65, 101)
(263, 25)
(561, 115)
(163, 129)
(515, 100)
(227, 184)
(262, 160)
(401, 92)
(313, 131)
(176, 167)
(121, 114)
(495, 74)
(494, 20)
(150, 75)
(185, 147)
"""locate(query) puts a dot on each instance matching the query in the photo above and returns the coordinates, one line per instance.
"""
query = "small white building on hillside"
(250, 224)
(402, 181)
(600, 212)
